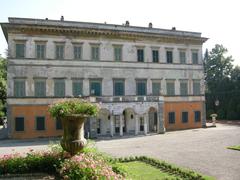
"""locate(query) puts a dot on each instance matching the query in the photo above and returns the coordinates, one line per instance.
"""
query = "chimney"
(127, 23)
(150, 25)
(62, 18)
(173, 28)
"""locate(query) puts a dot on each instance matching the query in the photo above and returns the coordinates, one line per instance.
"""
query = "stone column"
(136, 124)
(161, 127)
(111, 125)
(121, 125)
(145, 123)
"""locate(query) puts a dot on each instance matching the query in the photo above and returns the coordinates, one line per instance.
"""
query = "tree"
(3, 90)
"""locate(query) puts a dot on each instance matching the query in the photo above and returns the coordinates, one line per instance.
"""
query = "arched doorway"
(152, 119)
(128, 121)
(103, 122)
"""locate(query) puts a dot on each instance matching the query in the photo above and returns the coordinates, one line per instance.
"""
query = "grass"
(142, 171)
(237, 147)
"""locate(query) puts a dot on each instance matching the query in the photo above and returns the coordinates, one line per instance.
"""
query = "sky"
(217, 20)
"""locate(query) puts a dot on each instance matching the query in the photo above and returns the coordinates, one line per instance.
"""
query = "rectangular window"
(40, 88)
(77, 52)
(59, 51)
(77, 88)
(169, 55)
(184, 117)
(170, 88)
(19, 124)
(196, 87)
(19, 88)
(40, 123)
(95, 53)
(155, 56)
(141, 88)
(183, 88)
(118, 53)
(58, 124)
(118, 87)
(156, 87)
(20, 50)
(182, 56)
(195, 57)
(96, 87)
(171, 117)
(197, 116)
(59, 87)
(140, 55)
(40, 51)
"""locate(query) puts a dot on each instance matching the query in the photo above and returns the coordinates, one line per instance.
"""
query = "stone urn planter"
(73, 140)
(73, 113)
(213, 116)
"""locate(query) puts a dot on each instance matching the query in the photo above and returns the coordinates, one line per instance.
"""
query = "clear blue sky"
(216, 19)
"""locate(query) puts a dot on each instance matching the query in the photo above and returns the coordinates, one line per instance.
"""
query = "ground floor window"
(171, 117)
(19, 124)
(59, 124)
(99, 126)
(184, 117)
(40, 123)
(197, 116)
(141, 124)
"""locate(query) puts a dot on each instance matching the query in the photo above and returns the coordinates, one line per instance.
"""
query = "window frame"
(167, 89)
(57, 52)
(114, 88)
(195, 57)
(169, 61)
(145, 86)
(43, 54)
(57, 81)
(140, 56)
(159, 83)
(36, 80)
(181, 59)
(36, 123)
(200, 116)
(171, 121)
(17, 55)
(56, 124)
(196, 92)
(90, 85)
(79, 51)
(16, 123)
(187, 91)
(16, 93)
(81, 89)
(155, 58)
(117, 49)
(93, 55)
(187, 117)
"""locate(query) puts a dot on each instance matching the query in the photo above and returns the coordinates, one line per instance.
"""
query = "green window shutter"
(156, 87)
(141, 88)
(197, 116)
(183, 88)
(171, 117)
(40, 123)
(119, 88)
(40, 88)
(59, 88)
(169, 57)
(59, 51)
(95, 53)
(95, 88)
(140, 55)
(77, 88)
(20, 50)
(182, 57)
(19, 124)
(155, 55)
(170, 88)
(77, 52)
(196, 88)
(19, 88)
(194, 57)
(118, 53)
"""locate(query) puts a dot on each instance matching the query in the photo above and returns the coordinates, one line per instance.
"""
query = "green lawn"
(237, 147)
(142, 171)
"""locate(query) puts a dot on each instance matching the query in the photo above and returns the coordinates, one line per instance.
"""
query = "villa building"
(146, 80)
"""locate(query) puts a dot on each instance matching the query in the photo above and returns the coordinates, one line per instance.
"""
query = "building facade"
(146, 80)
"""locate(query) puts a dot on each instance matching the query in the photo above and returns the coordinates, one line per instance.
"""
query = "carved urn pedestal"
(73, 140)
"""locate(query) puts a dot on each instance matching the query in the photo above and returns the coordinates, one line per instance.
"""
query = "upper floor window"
(194, 57)
(155, 56)
(141, 86)
(59, 51)
(170, 88)
(20, 49)
(19, 88)
(171, 117)
(197, 116)
(95, 52)
(118, 87)
(59, 87)
(156, 88)
(40, 87)
(40, 51)
(196, 87)
(140, 55)
(19, 124)
(77, 51)
(169, 57)
(77, 87)
(183, 88)
(182, 56)
(96, 87)
(117, 53)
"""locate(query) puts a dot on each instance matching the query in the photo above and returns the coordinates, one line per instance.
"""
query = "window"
(96, 87)
(59, 87)
(195, 57)
(170, 88)
(40, 51)
(156, 88)
(141, 124)
(76, 87)
(59, 51)
(117, 124)
(95, 53)
(140, 55)
(19, 124)
(141, 87)
(169, 57)
(182, 56)
(19, 88)
(40, 87)
(184, 117)
(183, 88)
(118, 53)
(58, 124)
(99, 126)
(40, 123)
(197, 116)
(20, 50)
(171, 117)
(77, 52)
(196, 87)
(155, 56)
(118, 87)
